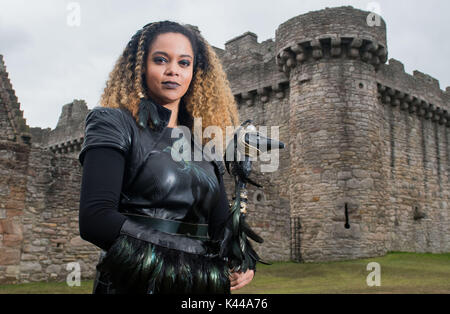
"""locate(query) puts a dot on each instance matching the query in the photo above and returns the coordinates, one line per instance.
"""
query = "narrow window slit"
(347, 224)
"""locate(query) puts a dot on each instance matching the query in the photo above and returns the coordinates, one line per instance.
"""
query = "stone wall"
(39, 199)
(416, 131)
(51, 237)
(39, 216)
(13, 170)
(336, 161)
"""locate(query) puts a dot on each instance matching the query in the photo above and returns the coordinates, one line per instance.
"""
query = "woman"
(159, 222)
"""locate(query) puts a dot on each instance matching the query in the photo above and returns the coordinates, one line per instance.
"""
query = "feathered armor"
(246, 145)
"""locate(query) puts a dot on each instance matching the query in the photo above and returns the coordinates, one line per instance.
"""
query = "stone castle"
(366, 169)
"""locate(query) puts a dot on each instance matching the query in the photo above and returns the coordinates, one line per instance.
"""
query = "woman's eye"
(185, 63)
(159, 60)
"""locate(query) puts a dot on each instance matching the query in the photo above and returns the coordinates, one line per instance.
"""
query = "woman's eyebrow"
(165, 54)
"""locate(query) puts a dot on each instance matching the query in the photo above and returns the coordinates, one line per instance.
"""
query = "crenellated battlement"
(243, 44)
(418, 93)
(414, 105)
(331, 46)
(68, 135)
(342, 32)
(243, 60)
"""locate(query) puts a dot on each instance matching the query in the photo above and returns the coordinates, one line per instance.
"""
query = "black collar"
(159, 116)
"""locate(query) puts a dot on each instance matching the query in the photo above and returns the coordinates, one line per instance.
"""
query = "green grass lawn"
(400, 273)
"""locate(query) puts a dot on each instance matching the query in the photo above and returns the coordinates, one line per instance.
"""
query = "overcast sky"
(50, 63)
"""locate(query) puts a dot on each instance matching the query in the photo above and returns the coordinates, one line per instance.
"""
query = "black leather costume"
(165, 242)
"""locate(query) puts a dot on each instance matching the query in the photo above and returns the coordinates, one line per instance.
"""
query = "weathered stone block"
(30, 267)
(77, 241)
(54, 269)
(9, 256)
(344, 175)
(12, 240)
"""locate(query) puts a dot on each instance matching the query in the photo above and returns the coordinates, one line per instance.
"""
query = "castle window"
(347, 222)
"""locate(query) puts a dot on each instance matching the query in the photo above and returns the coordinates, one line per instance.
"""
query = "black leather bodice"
(154, 183)
(181, 189)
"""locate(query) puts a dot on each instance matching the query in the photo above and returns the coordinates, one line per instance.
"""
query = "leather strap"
(199, 231)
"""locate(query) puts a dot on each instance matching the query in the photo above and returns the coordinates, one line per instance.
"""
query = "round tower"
(337, 189)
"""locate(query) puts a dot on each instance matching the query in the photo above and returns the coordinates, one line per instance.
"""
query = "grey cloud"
(13, 38)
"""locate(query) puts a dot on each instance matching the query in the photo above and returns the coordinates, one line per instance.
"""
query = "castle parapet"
(419, 93)
(331, 33)
(70, 128)
(247, 42)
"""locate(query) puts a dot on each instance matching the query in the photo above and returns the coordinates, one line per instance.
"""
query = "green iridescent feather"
(236, 246)
(139, 267)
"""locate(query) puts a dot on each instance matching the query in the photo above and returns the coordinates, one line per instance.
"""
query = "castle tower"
(337, 189)
(68, 135)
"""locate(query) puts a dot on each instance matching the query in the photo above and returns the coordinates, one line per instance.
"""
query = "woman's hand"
(240, 279)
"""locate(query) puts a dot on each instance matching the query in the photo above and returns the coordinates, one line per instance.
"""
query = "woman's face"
(169, 70)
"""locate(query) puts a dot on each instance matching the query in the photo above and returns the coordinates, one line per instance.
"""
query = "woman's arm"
(99, 219)
(220, 214)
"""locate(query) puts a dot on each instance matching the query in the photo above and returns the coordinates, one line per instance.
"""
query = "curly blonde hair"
(209, 95)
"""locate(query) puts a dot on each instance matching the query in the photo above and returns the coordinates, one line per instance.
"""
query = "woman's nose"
(172, 68)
